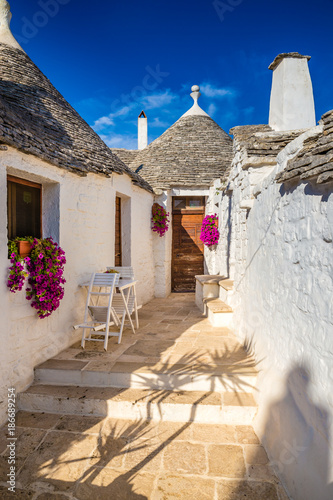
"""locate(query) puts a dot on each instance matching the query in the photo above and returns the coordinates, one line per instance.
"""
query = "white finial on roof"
(195, 110)
(5, 33)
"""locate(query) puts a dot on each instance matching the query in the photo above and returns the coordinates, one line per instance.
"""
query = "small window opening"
(24, 202)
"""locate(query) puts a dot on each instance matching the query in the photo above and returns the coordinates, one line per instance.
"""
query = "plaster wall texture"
(292, 103)
(212, 260)
(82, 221)
(163, 250)
(281, 257)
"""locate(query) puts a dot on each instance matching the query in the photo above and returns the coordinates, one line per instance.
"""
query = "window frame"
(24, 182)
(188, 209)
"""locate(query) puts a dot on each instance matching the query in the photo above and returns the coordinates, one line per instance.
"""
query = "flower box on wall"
(24, 248)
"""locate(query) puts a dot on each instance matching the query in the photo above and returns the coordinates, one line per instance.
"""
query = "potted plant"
(20, 246)
(24, 248)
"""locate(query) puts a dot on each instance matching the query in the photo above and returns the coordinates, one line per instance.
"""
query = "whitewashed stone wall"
(163, 250)
(281, 258)
(212, 258)
(80, 213)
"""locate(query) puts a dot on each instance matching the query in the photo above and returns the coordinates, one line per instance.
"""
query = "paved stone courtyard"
(84, 457)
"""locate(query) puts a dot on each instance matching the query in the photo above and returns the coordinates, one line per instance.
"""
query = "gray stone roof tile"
(126, 155)
(261, 144)
(315, 160)
(36, 119)
(192, 152)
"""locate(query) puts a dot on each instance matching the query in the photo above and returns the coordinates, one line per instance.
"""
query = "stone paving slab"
(174, 340)
(79, 457)
(68, 456)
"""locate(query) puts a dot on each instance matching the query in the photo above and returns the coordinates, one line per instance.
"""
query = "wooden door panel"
(118, 244)
(187, 250)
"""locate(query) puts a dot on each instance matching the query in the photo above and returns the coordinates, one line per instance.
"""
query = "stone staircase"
(213, 296)
(178, 367)
(166, 414)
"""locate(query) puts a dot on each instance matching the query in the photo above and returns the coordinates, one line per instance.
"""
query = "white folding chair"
(125, 272)
(126, 295)
(102, 316)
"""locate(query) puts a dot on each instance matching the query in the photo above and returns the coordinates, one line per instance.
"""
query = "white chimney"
(292, 103)
(142, 130)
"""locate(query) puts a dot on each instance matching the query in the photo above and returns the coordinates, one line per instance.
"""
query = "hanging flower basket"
(160, 221)
(209, 230)
(45, 268)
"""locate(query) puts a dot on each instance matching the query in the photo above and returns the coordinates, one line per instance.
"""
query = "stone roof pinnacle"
(5, 33)
(195, 110)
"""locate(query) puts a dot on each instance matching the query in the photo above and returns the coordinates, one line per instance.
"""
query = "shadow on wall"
(297, 435)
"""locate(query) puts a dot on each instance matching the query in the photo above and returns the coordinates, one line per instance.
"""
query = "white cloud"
(102, 123)
(127, 141)
(107, 121)
(210, 90)
(211, 110)
(122, 111)
(249, 111)
(159, 123)
(158, 100)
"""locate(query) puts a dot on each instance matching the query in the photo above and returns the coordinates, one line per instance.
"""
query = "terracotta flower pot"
(24, 248)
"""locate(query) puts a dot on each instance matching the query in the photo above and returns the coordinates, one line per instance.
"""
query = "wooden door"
(118, 250)
(187, 248)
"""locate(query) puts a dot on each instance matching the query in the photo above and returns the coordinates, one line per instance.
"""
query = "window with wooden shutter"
(24, 208)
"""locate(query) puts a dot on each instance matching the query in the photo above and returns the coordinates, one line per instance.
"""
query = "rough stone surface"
(280, 256)
(118, 459)
(85, 457)
(260, 144)
(126, 155)
(314, 161)
(285, 55)
(192, 152)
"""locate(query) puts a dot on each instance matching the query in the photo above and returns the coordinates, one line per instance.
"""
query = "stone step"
(177, 406)
(226, 290)
(207, 287)
(239, 375)
(219, 313)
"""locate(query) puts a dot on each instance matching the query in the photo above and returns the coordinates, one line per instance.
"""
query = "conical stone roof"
(192, 152)
(36, 119)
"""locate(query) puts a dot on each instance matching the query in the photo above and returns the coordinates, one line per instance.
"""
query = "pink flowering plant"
(17, 274)
(45, 267)
(160, 221)
(209, 230)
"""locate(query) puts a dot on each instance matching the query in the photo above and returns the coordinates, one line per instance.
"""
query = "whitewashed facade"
(79, 213)
(276, 243)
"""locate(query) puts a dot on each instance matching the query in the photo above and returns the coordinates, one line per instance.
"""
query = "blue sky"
(111, 59)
